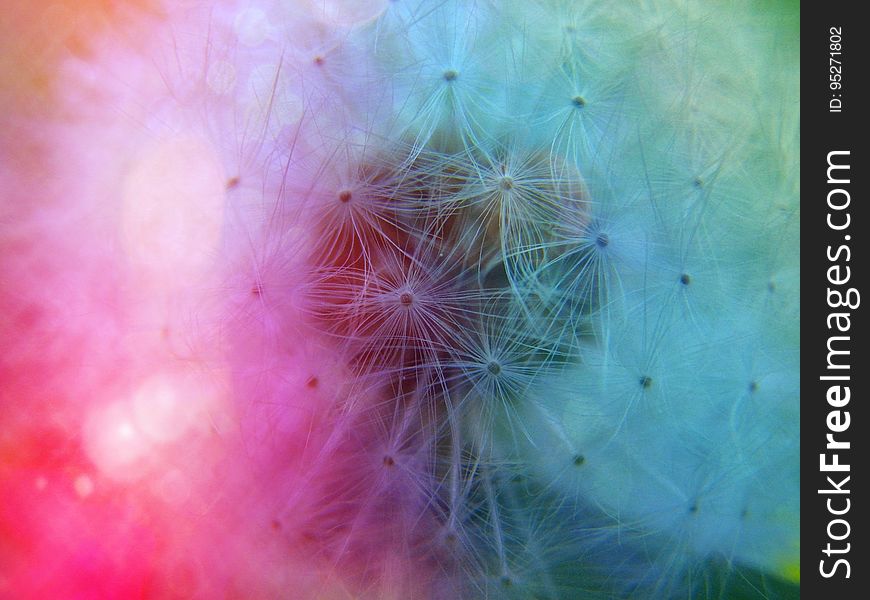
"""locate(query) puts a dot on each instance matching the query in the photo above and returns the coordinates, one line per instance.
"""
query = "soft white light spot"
(112, 441)
(272, 106)
(347, 13)
(133, 436)
(41, 483)
(265, 81)
(173, 209)
(162, 409)
(84, 486)
(221, 77)
(251, 26)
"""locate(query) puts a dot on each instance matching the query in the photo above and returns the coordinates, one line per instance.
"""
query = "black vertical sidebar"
(835, 366)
